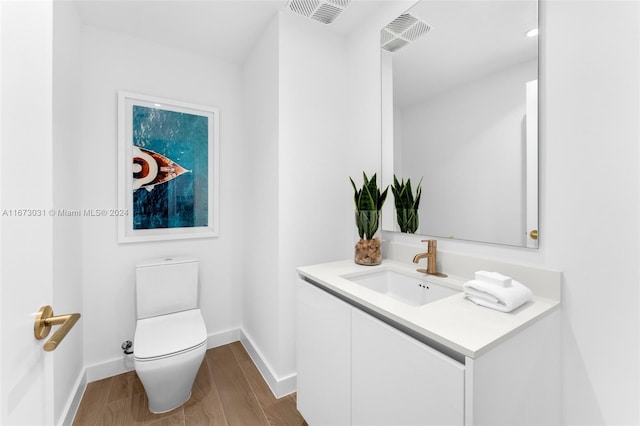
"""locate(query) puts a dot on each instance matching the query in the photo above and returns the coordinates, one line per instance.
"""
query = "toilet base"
(170, 409)
(168, 381)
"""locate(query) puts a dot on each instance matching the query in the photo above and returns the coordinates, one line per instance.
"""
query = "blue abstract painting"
(170, 169)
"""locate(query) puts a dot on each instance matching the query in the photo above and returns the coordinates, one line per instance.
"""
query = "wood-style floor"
(228, 390)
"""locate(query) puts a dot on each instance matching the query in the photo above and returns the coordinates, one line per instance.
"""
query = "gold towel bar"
(44, 321)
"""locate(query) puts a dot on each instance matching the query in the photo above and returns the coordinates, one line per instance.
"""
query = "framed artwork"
(168, 167)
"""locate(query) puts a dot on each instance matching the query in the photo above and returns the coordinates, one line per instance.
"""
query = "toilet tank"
(166, 285)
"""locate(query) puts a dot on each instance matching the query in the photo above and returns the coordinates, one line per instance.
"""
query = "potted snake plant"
(368, 202)
(406, 204)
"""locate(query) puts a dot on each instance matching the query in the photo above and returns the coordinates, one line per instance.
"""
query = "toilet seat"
(169, 335)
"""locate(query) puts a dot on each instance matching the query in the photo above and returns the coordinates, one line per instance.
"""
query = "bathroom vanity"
(369, 353)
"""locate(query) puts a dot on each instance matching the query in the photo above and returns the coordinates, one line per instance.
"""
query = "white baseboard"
(109, 368)
(69, 412)
(279, 386)
(224, 338)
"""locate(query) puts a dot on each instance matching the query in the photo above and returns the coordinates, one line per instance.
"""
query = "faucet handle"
(430, 243)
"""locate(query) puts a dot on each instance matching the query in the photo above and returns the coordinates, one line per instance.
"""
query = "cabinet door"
(323, 357)
(397, 380)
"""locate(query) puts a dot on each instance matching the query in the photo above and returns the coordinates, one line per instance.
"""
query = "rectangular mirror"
(459, 92)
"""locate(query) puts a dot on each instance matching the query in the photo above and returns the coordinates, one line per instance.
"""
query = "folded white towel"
(504, 299)
(493, 278)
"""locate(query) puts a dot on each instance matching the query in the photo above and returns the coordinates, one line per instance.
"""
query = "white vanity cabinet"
(357, 369)
(323, 357)
(397, 380)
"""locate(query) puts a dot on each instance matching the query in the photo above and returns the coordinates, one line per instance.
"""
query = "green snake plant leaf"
(406, 205)
(368, 202)
(418, 195)
(382, 197)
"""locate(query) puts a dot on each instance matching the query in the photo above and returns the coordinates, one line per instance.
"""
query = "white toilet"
(171, 338)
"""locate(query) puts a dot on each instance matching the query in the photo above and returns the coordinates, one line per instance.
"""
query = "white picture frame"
(168, 169)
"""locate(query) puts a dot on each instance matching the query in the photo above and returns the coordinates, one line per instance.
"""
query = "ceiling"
(468, 38)
(223, 29)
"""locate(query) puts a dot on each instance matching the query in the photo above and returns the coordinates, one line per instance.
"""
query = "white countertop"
(454, 322)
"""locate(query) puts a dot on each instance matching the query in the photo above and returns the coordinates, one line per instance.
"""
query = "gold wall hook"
(45, 320)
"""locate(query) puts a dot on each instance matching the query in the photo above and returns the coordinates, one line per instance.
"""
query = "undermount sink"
(404, 288)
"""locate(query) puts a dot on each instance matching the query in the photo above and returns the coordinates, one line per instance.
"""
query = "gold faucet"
(431, 259)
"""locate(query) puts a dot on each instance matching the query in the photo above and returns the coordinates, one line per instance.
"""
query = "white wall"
(298, 150)
(314, 158)
(112, 62)
(260, 197)
(67, 238)
(591, 110)
(450, 140)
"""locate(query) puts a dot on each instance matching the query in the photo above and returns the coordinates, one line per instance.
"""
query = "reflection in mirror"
(459, 86)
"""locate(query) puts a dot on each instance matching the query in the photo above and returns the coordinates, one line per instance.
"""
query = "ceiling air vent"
(325, 11)
(403, 30)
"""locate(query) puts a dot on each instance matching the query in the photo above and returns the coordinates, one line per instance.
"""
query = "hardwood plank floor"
(228, 390)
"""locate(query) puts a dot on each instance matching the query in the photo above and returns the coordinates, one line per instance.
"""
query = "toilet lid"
(167, 334)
